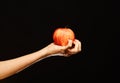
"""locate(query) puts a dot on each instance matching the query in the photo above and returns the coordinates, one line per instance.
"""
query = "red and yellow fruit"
(62, 35)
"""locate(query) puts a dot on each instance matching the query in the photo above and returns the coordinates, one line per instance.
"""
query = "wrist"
(44, 52)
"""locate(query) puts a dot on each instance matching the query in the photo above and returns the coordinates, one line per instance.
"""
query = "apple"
(62, 35)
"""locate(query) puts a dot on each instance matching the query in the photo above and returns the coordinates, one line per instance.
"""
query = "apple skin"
(62, 35)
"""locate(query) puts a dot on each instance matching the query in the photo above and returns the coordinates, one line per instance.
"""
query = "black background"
(27, 26)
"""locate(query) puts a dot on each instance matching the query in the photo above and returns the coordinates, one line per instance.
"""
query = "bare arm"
(12, 66)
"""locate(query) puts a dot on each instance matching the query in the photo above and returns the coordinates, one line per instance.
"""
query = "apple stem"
(67, 26)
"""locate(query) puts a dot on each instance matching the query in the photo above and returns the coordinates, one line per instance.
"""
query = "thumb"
(69, 44)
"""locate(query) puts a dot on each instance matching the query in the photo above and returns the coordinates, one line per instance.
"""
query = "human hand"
(74, 49)
(66, 51)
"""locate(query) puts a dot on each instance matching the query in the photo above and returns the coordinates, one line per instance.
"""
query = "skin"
(13, 66)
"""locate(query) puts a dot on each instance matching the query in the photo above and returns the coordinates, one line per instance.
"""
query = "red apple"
(62, 35)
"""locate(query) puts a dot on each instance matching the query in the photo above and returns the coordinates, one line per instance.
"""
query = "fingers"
(76, 49)
(78, 44)
(69, 45)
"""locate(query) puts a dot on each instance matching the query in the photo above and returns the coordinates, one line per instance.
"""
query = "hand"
(64, 50)
(74, 49)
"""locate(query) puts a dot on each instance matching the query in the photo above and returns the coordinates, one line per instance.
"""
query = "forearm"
(10, 67)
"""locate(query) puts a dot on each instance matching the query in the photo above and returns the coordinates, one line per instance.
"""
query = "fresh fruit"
(62, 35)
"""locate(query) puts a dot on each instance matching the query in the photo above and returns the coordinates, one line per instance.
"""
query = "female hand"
(74, 49)
(66, 51)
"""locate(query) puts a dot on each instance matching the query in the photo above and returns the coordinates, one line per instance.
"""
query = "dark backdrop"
(27, 26)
